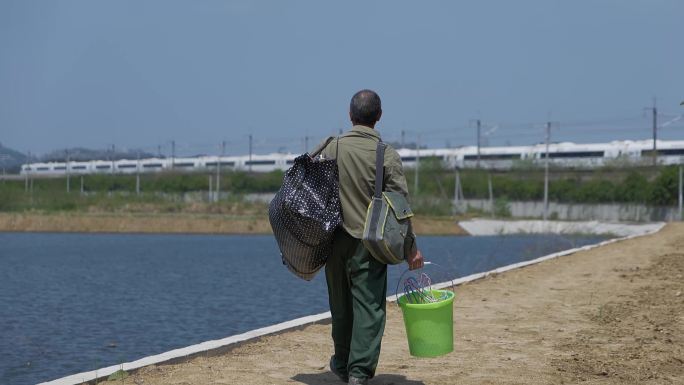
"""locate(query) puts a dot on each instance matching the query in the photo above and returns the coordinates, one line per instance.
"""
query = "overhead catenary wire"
(613, 128)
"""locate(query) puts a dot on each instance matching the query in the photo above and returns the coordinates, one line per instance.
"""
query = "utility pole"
(137, 175)
(403, 133)
(546, 172)
(218, 170)
(173, 153)
(457, 183)
(250, 152)
(306, 144)
(66, 168)
(28, 171)
(458, 191)
(479, 127)
(30, 182)
(415, 187)
(681, 192)
(159, 151)
(113, 157)
(654, 110)
(491, 194)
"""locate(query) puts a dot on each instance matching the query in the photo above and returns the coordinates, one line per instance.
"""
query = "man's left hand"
(415, 261)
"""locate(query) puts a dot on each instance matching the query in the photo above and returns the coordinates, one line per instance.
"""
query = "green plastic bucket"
(429, 326)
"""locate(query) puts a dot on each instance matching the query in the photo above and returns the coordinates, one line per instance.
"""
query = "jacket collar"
(366, 131)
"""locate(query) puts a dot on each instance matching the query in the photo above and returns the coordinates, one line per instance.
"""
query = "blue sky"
(138, 74)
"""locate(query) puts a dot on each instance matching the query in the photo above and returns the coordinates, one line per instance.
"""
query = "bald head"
(365, 108)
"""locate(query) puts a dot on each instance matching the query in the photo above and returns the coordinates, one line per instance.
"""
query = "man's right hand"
(415, 261)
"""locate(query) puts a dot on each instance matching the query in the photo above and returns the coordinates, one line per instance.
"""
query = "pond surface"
(76, 302)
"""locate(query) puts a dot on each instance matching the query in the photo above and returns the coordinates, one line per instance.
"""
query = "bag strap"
(322, 147)
(379, 168)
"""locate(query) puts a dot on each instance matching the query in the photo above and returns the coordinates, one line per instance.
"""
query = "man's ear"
(350, 117)
(379, 115)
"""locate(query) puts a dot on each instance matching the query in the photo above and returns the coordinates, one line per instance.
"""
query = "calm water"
(75, 302)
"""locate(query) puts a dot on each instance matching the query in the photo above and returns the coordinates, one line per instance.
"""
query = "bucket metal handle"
(396, 289)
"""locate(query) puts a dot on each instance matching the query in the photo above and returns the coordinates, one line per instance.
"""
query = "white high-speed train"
(560, 154)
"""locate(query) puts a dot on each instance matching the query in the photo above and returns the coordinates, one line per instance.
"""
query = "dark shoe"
(357, 381)
(333, 369)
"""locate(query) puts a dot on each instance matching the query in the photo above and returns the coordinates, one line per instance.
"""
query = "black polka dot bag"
(305, 213)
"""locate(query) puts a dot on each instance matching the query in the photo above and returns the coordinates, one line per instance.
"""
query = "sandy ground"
(173, 223)
(612, 315)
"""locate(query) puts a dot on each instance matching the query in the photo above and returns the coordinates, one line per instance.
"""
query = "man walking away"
(357, 282)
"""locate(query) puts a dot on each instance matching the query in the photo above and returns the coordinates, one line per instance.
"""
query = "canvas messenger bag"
(387, 218)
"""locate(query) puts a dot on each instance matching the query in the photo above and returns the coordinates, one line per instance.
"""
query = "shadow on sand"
(328, 378)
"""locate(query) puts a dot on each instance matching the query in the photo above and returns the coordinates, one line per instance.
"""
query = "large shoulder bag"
(388, 216)
(305, 213)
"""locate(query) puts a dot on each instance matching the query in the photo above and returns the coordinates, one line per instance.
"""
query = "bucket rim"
(403, 303)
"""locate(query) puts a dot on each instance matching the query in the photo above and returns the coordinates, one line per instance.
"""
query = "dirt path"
(612, 315)
(185, 223)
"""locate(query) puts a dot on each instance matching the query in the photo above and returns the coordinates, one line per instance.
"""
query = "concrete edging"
(207, 346)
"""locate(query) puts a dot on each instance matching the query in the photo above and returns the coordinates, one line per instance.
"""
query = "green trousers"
(357, 287)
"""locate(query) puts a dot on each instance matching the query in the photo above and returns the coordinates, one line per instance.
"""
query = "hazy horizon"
(142, 74)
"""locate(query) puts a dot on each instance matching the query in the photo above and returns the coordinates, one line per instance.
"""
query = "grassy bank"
(166, 203)
(186, 202)
(185, 222)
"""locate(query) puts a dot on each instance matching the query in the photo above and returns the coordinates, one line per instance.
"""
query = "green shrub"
(665, 188)
(634, 188)
(501, 208)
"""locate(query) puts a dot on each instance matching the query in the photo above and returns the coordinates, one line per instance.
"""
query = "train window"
(126, 166)
(186, 164)
(492, 157)
(408, 158)
(431, 158)
(43, 168)
(103, 167)
(78, 167)
(224, 163)
(666, 151)
(60, 168)
(259, 162)
(152, 165)
(291, 161)
(574, 154)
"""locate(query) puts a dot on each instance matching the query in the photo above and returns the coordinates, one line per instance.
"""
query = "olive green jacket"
(356, 163)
